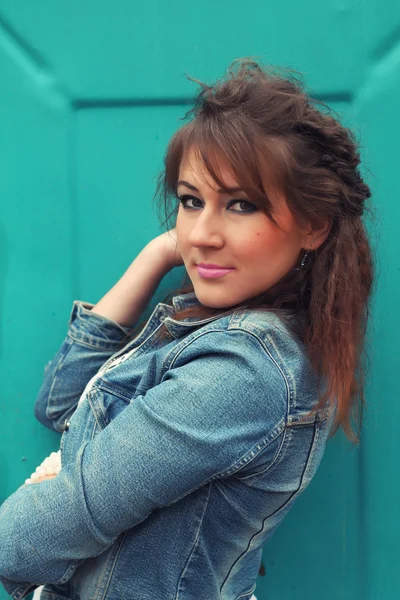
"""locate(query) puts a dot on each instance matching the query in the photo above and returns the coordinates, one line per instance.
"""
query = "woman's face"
(214, 228)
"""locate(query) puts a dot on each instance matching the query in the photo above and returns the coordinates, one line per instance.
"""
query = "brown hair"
(274, 137)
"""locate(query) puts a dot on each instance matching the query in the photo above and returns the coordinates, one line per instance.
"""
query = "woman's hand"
(49, 469)
(166, 243)
(39, 479)
(127, 299)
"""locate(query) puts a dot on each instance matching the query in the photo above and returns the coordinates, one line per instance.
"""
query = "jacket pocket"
(82, 427)
(106, 404)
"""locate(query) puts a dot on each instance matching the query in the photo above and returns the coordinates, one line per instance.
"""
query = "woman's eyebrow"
(230, 190)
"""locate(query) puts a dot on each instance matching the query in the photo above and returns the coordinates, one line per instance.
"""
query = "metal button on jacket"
(66, 424)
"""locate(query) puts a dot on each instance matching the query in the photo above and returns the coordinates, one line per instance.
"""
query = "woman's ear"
(315, 236)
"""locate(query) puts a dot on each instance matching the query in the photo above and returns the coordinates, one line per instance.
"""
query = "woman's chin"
(212, 299)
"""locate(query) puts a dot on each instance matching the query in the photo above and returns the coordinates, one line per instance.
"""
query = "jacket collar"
(184, 301)
(180, 328)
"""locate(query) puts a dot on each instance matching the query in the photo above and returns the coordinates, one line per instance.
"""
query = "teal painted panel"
(318, 550)
(118, 157)
(381, 24)
(142, 49)
(35, 263)
(377, 111)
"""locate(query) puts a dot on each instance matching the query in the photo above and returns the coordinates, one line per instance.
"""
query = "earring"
(302, 262)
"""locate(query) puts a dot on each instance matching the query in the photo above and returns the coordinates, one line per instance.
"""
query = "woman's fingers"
(40, 479)
(49, 468)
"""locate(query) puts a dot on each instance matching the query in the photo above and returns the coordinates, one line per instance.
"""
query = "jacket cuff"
(96, 331)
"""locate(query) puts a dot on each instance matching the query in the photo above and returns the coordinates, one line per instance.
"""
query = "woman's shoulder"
(260, 337)
(275, 332)
(253, 351)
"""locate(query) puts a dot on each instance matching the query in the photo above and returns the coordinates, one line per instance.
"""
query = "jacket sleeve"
(91, 340)
(214, 410)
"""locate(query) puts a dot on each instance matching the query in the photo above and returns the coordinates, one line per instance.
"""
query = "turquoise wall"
(90, 93)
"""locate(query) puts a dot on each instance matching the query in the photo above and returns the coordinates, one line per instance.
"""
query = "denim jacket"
(183, 456)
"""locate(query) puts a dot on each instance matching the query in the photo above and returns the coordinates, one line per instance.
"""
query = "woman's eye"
(244, 206)
(186, 198)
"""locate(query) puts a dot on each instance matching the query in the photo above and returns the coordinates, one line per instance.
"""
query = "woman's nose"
(206, 231)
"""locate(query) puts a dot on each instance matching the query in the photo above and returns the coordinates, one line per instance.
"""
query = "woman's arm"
(199, 424)
(125, 302)
(97, 332)
(93, 337)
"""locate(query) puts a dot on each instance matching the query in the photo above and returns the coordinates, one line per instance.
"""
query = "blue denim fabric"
(180, 461)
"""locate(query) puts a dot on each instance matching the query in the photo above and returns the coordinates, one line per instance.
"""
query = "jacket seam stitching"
(230, 471)
(292, 386)
(289, 394)
(291, 497)
(115, 390)
(310, 459)
(50, 403)
(261, 529)
(103, 345)
(184, 345)
(195, 544)
(105, 321)
(243, 594)
(113, 566)
(276, 323)
(273, 460)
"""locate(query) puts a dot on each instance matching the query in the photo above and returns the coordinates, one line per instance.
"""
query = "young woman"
(185, 444)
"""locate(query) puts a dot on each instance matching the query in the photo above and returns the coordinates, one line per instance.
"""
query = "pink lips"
(212, 272)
